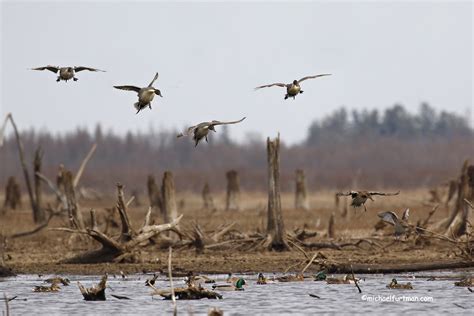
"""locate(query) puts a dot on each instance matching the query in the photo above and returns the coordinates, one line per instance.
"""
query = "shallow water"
(270, 299)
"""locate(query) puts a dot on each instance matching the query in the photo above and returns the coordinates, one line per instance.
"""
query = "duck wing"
(49, 67)
(312, 77)
(388, 217)
(385, 194)
(154, 79)
(226, 123)
(128, 88)
(271, 85)
(81, 68)
(190, 130)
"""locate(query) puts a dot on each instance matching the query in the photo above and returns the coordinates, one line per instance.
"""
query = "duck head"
(212, 128)
(295, 82)
(158, 92)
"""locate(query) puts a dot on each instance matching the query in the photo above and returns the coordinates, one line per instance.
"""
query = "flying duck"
(66, 73)
(145, 95)
(400, 225)
(360, 197)
(294, 88)
(201, 130)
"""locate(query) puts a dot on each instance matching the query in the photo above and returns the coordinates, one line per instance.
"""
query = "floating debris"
(395, 285)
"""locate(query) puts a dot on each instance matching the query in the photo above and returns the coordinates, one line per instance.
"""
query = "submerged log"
(395, 268)
(233, 191)
(95, 293)
(275, 225)
(189, 293)
(301, 196)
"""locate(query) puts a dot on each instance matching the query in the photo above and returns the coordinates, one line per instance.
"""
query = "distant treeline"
(363, 149)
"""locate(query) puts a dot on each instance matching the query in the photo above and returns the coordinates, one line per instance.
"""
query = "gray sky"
(211, 55)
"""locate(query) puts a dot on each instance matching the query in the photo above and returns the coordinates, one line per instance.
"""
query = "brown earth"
(41, 253)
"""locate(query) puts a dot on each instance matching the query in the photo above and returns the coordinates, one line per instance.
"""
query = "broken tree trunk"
(39, 215)
(12, 194)
(301, 197)
(154, 194)
(331, 229)
(275, 226)
(170, 210)
(456, 225)
(75, 215)
(233, 191)
(124, 246)
(207, 200)
(95, 293)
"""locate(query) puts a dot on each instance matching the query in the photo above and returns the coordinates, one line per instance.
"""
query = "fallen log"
(394, 268)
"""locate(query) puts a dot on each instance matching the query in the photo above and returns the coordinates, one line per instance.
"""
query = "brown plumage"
(66, 73)
(201, 130)
(360, 197)
(292, 89)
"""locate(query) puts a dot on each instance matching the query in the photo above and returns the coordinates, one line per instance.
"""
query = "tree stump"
(233, 191)
(170, 210)
(331, 229)
(275, 225)
(75, 215)
(95, 293)
(39, 215)
(12, 194)
(154, 194)
(457, 223)
(207, 200)
(301, 198)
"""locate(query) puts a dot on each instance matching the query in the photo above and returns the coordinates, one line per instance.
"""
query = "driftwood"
(12, 194)
(189, 293)
(301, 196)
(123, 247)
(95, 293)
(275, 225)
(233, 191)
(207, 200)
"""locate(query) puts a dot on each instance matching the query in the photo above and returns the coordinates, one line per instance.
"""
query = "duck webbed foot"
(59, 79)
(286, 96)
(75, 79)
(301, 91)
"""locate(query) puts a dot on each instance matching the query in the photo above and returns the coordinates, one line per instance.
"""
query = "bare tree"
(207, 200)
(233, 191)
(301, 196)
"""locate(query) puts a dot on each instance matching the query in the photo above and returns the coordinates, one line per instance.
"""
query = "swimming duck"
(145, 95)
(197, 280)
(465, 282)
(291, 278)
(151, 282)
(238, 286)
(261, 279)
(43, 289)
(347, 279)
(400, 225)
(66, 73)
(360, 197)
(294, 88)
(320, 276)
(231, 279)
(57, 280)
(395, 285)
(201, 130)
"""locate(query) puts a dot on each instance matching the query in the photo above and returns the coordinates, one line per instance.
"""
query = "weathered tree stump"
(95, 293)
(301, 198)
(233, 191)
(75, 215)
(275, 225)
(39, 215)
(154, 194)
(170, 210)
(331, 229)
(457, 223)
(207, 200)
(12, 194)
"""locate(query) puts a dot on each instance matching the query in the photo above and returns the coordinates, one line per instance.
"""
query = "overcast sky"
(211, 55)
